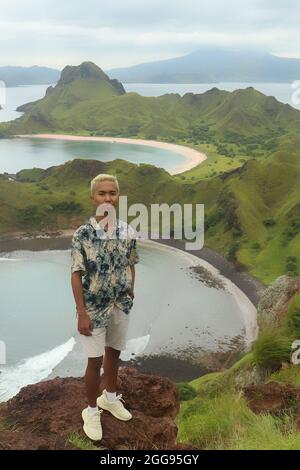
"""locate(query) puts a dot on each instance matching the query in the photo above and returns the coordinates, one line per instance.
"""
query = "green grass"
(218, 417)
(226, 422)
(272, 348)
(82, 443)
(293, 317)
(290, 375)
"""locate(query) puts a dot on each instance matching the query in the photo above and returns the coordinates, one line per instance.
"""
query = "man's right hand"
(85, 325)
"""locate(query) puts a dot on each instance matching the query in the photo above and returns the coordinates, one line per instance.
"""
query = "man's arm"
(84, 321)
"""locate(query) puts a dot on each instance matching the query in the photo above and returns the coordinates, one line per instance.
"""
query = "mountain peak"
(88, 71)
(85, 70)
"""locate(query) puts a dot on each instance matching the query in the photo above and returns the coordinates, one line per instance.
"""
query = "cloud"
(121, 33)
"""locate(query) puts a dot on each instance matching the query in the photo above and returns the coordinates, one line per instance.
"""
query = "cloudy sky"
(117, 33)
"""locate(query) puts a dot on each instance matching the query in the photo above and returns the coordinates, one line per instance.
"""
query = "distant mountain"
(14, 76)
(86, 99)
(211, 64)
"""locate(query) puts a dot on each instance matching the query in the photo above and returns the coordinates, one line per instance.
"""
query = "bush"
(67, 207)
(186, 391)
(269, 222)
(256, 246)
(293, 316)
(232, 251)
(271, 349)
(291, 266)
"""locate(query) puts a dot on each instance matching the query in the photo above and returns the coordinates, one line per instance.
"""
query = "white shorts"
(113, 335)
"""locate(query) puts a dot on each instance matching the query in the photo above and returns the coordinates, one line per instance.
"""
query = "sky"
(121, 33)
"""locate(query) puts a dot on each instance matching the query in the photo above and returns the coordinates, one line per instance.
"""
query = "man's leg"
(109, 400)
(111, 366)
(92, 380)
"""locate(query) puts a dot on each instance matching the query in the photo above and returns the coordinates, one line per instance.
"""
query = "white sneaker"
(116, 408)
(92, 424)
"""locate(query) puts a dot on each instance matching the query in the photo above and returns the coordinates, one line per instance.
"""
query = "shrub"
(271, 349)
(186, 391)
(269, 222)
(291, 266)
(256, 246)
(293, 316)
(232, 251)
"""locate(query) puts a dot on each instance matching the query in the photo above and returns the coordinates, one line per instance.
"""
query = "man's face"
(105, 192)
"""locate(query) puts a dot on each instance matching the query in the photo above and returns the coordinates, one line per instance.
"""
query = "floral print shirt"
(104, 263)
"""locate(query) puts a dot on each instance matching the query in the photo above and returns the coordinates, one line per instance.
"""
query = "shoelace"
(119, 398)
(95, 417)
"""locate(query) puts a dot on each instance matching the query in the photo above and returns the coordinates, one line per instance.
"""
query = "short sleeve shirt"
(105, 266)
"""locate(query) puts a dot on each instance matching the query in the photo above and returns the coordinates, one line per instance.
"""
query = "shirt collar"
(93, 222)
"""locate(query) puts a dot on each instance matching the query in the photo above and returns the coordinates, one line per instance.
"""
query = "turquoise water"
(18, 154)
(38, 313)
(172, 312)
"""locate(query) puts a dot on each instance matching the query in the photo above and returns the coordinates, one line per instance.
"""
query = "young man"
(103, 275)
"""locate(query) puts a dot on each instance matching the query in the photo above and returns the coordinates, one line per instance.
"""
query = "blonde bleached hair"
(103, 177)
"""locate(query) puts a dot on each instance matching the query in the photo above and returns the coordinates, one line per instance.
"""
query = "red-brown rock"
(44, 415)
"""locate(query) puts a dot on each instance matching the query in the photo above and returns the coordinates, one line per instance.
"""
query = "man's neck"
(98, 219)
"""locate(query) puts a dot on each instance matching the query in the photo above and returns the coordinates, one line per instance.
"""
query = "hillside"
(255, 404)
(251, 214)
(213, 64)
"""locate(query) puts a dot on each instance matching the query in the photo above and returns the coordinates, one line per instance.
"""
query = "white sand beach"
(192, 157)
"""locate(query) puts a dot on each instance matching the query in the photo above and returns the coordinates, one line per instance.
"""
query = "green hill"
(86, 100)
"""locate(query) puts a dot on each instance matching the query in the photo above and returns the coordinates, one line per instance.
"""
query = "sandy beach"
(192, 157)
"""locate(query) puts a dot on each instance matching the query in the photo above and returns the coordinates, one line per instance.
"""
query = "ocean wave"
(31, 370)
(10, 259)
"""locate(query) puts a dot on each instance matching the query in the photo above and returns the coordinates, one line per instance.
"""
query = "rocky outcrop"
(45, 415)
(275, 300)
(274, 398)
(88, 70)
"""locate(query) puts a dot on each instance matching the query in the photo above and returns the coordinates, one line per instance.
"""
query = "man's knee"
(111, 352)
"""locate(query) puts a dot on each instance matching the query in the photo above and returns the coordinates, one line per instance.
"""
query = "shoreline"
(192, 156)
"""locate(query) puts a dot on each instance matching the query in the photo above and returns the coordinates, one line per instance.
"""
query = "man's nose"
(107, 198)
